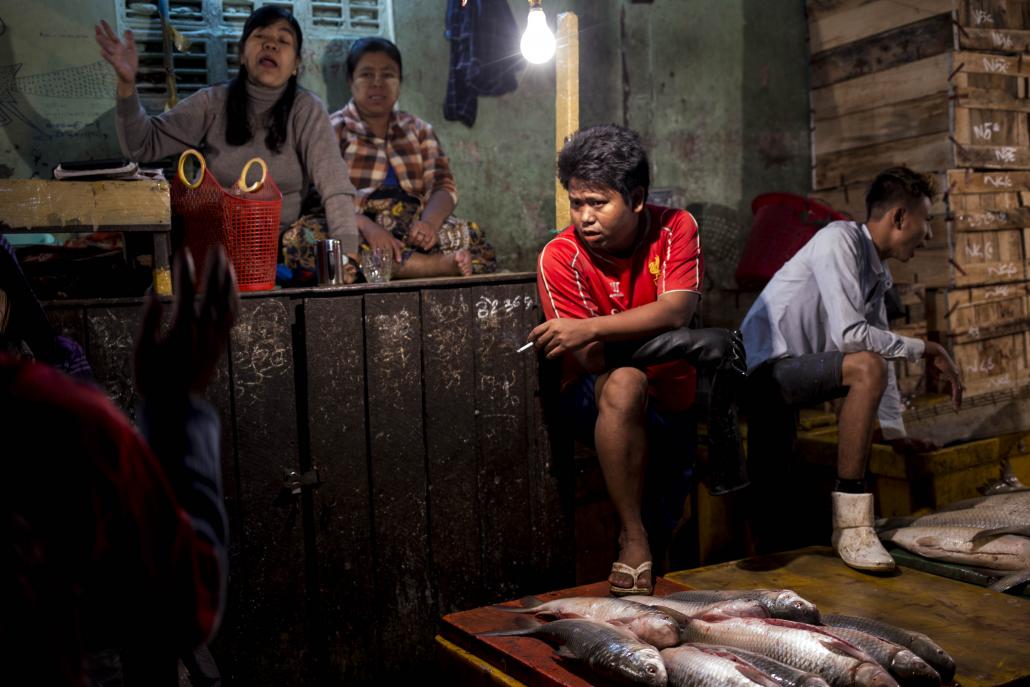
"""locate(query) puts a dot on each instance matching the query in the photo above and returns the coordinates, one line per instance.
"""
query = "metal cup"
(330, 260)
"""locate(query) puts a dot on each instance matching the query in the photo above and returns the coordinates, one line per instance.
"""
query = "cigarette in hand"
(525, 348)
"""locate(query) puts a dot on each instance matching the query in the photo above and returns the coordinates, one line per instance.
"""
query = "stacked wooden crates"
(940, 86)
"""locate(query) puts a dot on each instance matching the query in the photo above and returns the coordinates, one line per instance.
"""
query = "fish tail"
(524, 625)
(529, 604)
(1009, 581)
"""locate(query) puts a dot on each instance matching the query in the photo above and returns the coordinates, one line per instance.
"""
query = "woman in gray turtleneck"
(262, 112)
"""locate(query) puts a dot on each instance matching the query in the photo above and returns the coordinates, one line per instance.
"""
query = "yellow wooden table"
(987, 633)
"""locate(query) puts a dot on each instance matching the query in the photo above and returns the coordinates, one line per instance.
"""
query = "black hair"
(362, 46)
(237, 125)
(894, 185)
(609, 156)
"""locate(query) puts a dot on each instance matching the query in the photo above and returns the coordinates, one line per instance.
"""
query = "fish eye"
(651, 669)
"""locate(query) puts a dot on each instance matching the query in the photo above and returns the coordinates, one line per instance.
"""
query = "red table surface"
(528, 659)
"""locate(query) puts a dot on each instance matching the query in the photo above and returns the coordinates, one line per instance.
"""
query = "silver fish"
(693, 666)
(900, 662)
(781, 603)
(803, 646)
(609, 651)
(657, 627)
(1009, 501)
(921, 645)
(783, 674)
(961, 545)
(740, 608)
(992, 521)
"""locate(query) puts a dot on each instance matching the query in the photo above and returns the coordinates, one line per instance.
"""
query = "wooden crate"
(963, 109)
(852, 37)
(994, 363)
(911, 377)
(989, 257)
(972, 313)
(836, 23)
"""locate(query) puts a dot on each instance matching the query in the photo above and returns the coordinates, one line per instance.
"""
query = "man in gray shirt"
(819, 331)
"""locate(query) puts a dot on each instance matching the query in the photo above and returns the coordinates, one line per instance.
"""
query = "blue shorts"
(672, 448)
(579, 402)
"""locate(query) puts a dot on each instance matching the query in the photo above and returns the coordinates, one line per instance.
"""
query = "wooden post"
(566, 100)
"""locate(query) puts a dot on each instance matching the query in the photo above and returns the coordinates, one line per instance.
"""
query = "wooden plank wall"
(436, 487)
(941, 86)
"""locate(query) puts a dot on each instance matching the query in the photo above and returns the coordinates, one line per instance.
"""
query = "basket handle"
(190, 152)
(256, 186)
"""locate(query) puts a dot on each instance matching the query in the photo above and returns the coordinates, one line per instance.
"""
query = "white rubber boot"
(854, 538)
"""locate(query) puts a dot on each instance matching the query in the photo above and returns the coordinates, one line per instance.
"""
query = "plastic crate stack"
(942, 87)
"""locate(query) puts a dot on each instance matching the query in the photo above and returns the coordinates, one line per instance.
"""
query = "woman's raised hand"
(120, 53)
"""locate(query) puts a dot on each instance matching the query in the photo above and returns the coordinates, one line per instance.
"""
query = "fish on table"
(803, 646)
(780, 603)
(963, 545)
(741, 608)
(690, 665)
(902, 663)
(783, 674)
(917, 642)
(659, 627)
(608, 650)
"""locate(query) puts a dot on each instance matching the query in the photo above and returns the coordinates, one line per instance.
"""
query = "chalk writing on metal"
(491, 307)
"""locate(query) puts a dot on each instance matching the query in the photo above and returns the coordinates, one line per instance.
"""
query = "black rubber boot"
(726, 471)
(720, 351)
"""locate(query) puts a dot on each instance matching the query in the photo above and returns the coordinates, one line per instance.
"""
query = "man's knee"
(865, 369)
(624, 392)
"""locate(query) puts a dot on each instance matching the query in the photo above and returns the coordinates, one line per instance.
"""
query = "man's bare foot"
(632, 552)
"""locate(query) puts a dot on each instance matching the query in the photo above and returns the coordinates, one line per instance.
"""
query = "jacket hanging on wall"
(485, 57)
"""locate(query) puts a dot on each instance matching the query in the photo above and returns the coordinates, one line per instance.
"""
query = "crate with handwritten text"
(852, 38)
(994, 363)
(961, 109)
(933, 84)
(968, 314)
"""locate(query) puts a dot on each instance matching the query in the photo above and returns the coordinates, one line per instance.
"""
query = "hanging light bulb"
(538, 41)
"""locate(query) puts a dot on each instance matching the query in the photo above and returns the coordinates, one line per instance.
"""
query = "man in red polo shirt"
(625, 272)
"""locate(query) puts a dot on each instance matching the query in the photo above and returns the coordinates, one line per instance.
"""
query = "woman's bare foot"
(463, 260)
(420, 265)
(633, 551)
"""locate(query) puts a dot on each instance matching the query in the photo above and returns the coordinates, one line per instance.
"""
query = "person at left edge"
(261, 112)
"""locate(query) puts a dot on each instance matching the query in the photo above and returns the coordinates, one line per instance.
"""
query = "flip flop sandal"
(644, 567)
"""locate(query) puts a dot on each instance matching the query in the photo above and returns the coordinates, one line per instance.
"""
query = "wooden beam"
(566, 101)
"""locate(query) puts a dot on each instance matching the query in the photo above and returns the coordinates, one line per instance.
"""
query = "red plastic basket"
(244, 219)
(783, 223)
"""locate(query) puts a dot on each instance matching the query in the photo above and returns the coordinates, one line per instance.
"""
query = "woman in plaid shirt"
(405, 190)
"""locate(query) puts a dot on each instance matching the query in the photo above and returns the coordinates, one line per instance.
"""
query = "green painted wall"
(718, 88)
